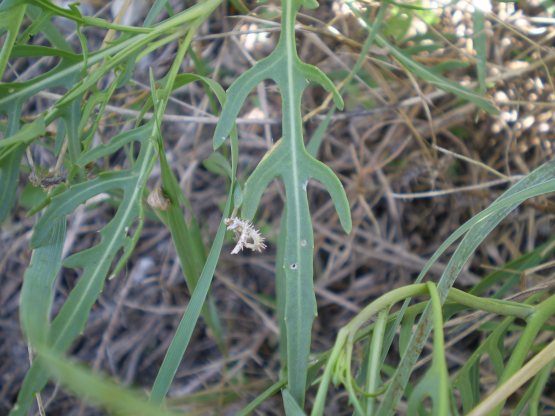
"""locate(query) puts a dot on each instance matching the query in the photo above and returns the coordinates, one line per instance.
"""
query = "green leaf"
(116, 143)
(184, 331)
(24, 136)
(475, 231)
(9, 166)
(96, 389)
(11, 21)
(186, 237)
(480, 45)
(427, 74)
(217, 163)
(437, 80)
(38, 284)
(292, 408)
(129, 185)
(31, 196)
(289, 160)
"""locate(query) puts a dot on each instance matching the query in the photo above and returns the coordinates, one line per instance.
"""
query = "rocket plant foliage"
(288, 161)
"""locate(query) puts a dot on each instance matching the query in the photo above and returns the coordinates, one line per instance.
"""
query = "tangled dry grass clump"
(414, 162)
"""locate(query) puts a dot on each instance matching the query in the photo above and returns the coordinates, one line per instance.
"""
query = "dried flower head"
(245, 235)
(158, 200)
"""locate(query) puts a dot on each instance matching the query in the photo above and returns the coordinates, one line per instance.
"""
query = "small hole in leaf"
(293, 266)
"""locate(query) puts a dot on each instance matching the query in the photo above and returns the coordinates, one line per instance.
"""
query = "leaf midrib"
(290, 60)
(290, 55)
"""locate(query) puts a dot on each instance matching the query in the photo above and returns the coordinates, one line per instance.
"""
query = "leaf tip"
(346, 223)
(338, 100)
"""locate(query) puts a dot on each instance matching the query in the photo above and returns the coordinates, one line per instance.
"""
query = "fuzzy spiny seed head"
(245, 235)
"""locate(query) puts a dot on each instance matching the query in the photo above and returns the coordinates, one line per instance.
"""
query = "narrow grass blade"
(188, 321)
(437, 80)
(480, 46)
(71, 115)
(186, 237)
(426, 74)
(292, 408)
(181, 339)
(536, 183)
(499, 395)
(95, 261)
(467, 378)
(96, 389)
(435, 383)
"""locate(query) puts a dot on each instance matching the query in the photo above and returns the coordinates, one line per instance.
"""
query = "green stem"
(497, 306)
(439, 367)
(385, 301)
(536, 321)
(374, 366)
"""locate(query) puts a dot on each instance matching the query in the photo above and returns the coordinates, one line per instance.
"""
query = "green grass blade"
(96, 261)
(292, 408)
(437, 80)
(435, 383)
(372, 376)
(71, 115)
(480, 46)
(188, 322)
(186, 238)
(96, 389)
(510, 274)
(536, 183)
(426, 74)
(9, 178)
(467, 377)
(114, 55)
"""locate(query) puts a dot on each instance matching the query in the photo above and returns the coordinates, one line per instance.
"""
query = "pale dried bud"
(157, 200)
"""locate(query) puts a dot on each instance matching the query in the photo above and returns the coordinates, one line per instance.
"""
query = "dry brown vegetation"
(415, 164)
